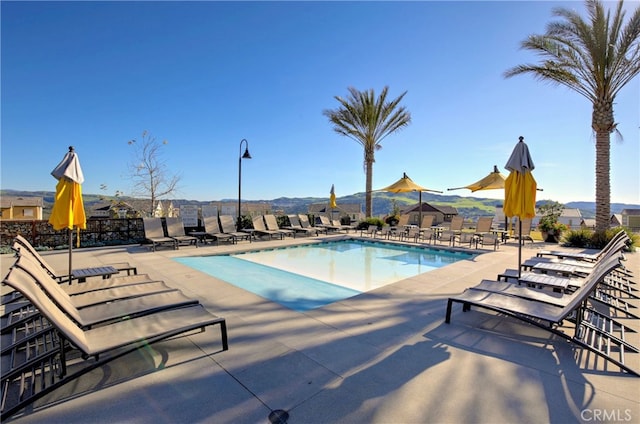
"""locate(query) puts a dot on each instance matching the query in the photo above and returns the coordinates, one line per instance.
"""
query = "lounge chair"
(369, 231)
(212, 229)
(617, 242)
(21, 242)
(593, 329)
(175, 230)
(295, 225)
(272, 225)
(110, 308)
(154, 233)
(31, 370)
(343, 227)
(384, 232)
(260, 229)
(304, 221)
(326, 224)
(427, 222)
(228, 226)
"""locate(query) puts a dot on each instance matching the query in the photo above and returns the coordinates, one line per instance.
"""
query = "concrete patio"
(381, 357)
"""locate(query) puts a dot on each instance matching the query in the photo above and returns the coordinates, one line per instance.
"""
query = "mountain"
(383, 202)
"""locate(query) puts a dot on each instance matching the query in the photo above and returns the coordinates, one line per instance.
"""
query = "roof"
(426, 207)
(630, 212)
(10, 201)
(571, 212)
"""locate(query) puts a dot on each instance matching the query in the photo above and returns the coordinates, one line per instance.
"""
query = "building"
(631, 219)
(441, 213)
(21, 208)
(352, 210)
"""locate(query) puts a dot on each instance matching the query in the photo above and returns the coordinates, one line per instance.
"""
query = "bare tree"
(149, 173)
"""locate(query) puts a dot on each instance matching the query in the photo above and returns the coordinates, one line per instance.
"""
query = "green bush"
(363, 225)
(577, 238)
(597, 239)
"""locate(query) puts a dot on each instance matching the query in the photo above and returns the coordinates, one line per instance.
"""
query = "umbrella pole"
(519, 247)
(420, 210)
(70, 230)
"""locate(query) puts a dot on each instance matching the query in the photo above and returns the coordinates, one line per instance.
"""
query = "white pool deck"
(381, 357)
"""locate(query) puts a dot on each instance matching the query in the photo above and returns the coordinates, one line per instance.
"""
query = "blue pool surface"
(313, 275)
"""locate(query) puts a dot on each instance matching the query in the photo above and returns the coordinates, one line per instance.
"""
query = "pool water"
(310, 276)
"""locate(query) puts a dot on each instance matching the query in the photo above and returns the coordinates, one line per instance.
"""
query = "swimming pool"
(313, 275)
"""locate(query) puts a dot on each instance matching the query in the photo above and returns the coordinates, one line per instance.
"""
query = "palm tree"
(368, 121)
(595, 58)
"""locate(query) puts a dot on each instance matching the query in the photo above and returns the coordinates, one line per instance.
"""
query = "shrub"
(577, 238)
(363, 225)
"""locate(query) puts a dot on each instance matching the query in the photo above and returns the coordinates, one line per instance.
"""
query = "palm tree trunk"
(603, 183)
(603, 123)
(369, 184)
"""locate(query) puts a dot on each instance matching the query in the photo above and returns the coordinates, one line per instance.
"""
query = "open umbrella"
(68, 208)
(493, 181)
(406, 185)
(520, 189)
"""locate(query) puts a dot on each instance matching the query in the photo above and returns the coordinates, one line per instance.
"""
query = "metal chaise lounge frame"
(175, 230)
(272, 225)
(212, 229)
(110, 309)
(614, 243)
(34, 369)
(20, 241)
(304, 221)
(296, 225)
(228, 227)
(260, 228)
(596, 337)
(154, 233)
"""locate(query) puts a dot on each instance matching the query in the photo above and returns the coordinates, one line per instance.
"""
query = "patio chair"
(455, 228)
(412, 234)
(260, 229)
(175, 230)
(272, 225)
(427, 222)
(295, 225)
(32, 370)
(526, 230)
(593, 330)
(370, 231)
(384, 232)
(212, 229)
(154, 233)
(228, 226)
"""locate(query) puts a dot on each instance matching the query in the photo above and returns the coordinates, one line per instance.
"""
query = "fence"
(99, 232)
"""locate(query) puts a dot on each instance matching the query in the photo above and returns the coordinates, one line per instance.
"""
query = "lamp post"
(241, 156)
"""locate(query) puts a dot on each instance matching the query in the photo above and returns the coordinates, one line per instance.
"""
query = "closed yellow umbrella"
(520, 189)
(332, 198)
(68, 207)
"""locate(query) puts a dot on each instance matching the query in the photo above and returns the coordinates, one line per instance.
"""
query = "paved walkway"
(381, 357)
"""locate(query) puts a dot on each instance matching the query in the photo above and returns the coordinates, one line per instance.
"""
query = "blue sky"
(205, 75)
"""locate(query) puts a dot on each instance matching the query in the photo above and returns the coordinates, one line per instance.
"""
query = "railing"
(99, 232)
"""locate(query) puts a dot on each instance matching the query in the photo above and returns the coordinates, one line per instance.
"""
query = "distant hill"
(383, 202)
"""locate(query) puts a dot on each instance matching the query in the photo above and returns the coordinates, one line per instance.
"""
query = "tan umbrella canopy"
(493, 181)
(406, 185)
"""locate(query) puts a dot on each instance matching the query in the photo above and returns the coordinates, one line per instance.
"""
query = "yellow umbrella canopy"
(406, 185)
(495, 180)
